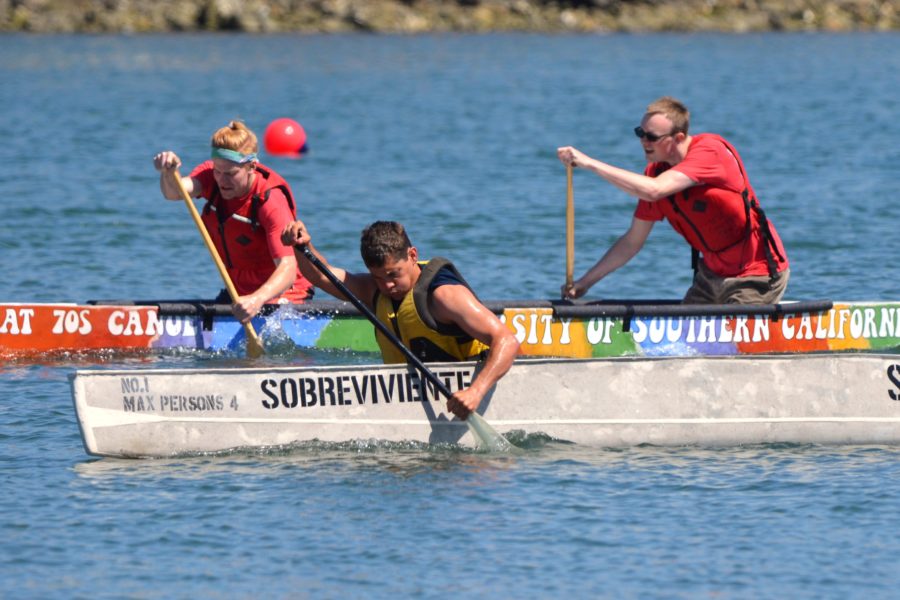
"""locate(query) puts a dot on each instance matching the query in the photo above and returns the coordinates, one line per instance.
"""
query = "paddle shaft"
(254, 345)
(390, 335)
(570, 228)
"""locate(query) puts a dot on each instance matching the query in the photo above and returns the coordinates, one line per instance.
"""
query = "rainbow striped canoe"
(545, 328)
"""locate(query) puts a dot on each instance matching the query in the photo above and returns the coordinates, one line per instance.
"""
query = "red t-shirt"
(709, 162)
(273, 215)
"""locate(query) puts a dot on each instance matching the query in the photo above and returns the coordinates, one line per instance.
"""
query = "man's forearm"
(500, 359)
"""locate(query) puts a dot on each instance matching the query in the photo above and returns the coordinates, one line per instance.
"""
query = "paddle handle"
(570, 228)
(384, 329)
(254, 345)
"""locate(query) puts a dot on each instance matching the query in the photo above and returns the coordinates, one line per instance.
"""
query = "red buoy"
(285, 137)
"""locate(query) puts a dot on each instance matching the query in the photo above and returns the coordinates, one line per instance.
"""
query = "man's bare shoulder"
(452, 302)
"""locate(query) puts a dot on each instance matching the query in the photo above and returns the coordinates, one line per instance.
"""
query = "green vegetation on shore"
(419, 16)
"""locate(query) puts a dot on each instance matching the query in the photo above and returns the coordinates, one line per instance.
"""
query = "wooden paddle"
(254, 344)
(570, 228)
(480, 428)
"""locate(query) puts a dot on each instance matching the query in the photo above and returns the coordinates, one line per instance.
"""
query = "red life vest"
(238, 237)
(714, 219)
(241, 241)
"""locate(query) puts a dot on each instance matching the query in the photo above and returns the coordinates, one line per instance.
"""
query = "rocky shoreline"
(421, 16)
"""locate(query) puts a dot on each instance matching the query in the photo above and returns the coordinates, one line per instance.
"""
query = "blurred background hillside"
(419, 16)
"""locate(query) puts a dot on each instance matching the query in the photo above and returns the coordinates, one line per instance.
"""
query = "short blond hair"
(673, 110)
(236, 136)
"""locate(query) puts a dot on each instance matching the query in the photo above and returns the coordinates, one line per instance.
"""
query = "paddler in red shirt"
(699, 184)
(248, 206)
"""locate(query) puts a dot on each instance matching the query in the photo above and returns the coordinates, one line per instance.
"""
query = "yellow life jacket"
(412, 322)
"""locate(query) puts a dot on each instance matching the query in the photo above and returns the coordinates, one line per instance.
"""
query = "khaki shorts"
(709, 288)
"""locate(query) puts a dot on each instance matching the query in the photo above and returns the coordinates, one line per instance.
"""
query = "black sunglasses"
(651, 137)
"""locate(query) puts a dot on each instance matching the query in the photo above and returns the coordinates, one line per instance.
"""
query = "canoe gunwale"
(562, 309)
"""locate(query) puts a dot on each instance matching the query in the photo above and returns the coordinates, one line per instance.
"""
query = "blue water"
(455, 136)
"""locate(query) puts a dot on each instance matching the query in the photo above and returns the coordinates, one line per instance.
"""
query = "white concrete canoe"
(825, 398)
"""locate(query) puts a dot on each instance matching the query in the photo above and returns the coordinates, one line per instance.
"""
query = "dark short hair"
(382, 240)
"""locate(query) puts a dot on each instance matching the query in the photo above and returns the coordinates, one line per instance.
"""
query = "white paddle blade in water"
(487, 437)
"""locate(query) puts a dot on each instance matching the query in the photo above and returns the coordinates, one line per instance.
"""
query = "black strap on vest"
(769, 245)
(420, 297)
(212, 202)
(255, 203)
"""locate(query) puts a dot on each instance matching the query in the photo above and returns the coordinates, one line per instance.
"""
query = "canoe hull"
(830, 399)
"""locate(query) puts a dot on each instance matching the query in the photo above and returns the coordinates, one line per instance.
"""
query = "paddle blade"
(254, 344)
(488, 438)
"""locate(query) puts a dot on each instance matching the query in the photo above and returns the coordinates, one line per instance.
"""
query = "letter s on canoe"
(264, 386)
(893, 373)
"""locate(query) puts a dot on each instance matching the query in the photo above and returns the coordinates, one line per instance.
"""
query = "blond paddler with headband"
(248, 205)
